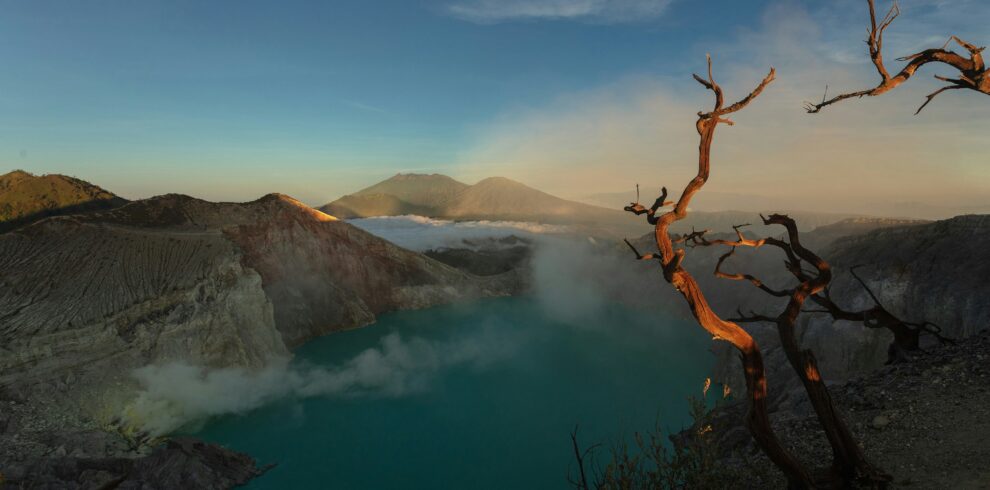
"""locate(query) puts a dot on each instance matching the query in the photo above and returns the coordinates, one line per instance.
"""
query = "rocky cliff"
(86, 299)
(920, 272)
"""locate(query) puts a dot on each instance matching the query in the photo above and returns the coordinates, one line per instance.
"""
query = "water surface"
(495, 409)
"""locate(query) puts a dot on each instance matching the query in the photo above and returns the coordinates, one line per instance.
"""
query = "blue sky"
(230, 100)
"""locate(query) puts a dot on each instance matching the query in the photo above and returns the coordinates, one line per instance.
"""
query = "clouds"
(421, 233)
(591, 11)
(868, 155)
(579, 140)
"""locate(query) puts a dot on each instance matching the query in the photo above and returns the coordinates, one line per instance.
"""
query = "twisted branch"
(757, 419)
(906, 334)
(850, 462)
(638, 209)
(972, 70)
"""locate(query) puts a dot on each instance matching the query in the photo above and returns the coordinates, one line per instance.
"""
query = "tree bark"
(973, 74)
(757, 419)
(849, 461)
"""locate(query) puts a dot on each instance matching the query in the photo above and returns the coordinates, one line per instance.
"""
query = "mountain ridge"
(26, 198)
(492, 198)
(85, 299)
(503, 199)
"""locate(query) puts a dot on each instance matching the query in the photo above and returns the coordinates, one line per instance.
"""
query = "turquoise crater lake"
(493, 406)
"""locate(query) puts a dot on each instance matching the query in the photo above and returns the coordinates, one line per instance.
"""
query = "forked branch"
(638, 209)
(849, 460)
(906, 333)
(757, 419)
(973, 74)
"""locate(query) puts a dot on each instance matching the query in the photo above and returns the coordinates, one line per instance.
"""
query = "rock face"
(175, 278)
(920, 272)
(324, 276)
(723, 221)
(90, 301)
(177, 463)
(823, 237)
(489, 257)
(86, 299)
(937, 271)
(26, 198)
(923, 420)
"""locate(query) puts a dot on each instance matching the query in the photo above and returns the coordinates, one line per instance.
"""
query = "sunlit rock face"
(84, 300)
(26, 198)
(324, 277)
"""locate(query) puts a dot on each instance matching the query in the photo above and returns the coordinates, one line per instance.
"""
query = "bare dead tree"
(813, 274)
(907, 334)
(849, 462)
(757, 419)
(973, 74)
(581, 480)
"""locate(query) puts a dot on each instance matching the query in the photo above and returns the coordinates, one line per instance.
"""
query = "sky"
(230, 100)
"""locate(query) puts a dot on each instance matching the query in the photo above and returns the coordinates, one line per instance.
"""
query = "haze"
(232, 100)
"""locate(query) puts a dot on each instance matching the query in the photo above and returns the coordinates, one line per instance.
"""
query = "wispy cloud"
(856, 157)
(421, 233)
(922, 24)
(593, 11)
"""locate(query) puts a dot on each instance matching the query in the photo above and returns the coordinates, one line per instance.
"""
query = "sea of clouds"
(421, 233)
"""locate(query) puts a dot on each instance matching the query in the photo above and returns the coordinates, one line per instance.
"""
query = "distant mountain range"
(439, 196)
(499, 198)
(25, 198)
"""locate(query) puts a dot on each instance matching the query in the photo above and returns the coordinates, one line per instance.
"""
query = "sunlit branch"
(973, 74)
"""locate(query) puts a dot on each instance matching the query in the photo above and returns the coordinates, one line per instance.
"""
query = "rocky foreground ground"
(46, 444)
(925, 422)
(176, 463)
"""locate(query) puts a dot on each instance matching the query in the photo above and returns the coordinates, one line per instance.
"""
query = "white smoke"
(177, 395)
(575, 281)
(573, 277)
(420, 233)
